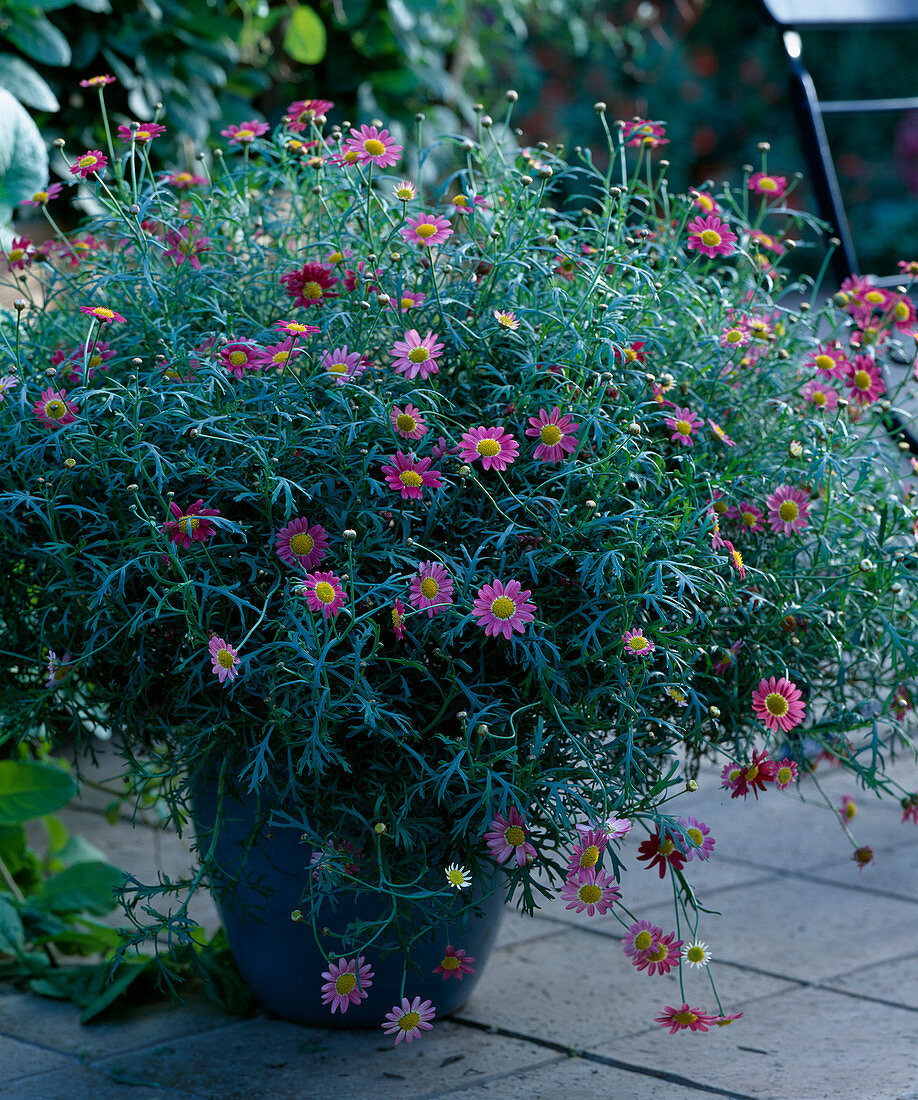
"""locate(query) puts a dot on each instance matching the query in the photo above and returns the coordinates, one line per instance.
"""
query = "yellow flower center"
(142, 135)
(405, 422)
(87, 161)
(188, 523)
(784, 775)
(550, 435)
(374, 147)
(460, 200)
(302, 544)
(409, 477)
(425, 230)
(55, 409)
(776, 704)
(396, 618)
(350, 157)
(325, 592)
(749, 519)
(685, 1018)
(643, 940)
(515, 836)
(695, 954)
(638, 643)
(103, 311)
(344, 983)
(874, 297)
(696, 836)
(683, 427)
(506, 319)
(862, 380)
(95, 360)
(705, 202)
(825, 362)
(819, 398)
(590, 856)
(336, 257)
(659, 953)
(405, 194)
(667, 847)
(449, 962)
(337, 368)
(630, 355)
(766, 183)
(737, 558)
(312, 291)
(734, 336)
(225, 658)
(590, 893)
(15, 254)
(901, 311)
(245, 135)
(280, 357)
(710, 238)
(40, 196)
(429, 588)
(503, 607)
(419, 354)
(456, 877)
(736, 773)
(752, 772)
(409, 1020)
(487, 447)
(237, 358)
(406, 303)
(788, 511)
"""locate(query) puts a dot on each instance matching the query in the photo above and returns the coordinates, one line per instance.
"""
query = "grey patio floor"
(821, 958)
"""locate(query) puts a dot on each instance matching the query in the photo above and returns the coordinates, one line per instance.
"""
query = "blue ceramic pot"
(258, 882)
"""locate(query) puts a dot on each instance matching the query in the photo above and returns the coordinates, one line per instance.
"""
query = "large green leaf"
(12, 935)
(27, 790)
(39, 39)
(18, 77)
(82, 888)
(305, 39)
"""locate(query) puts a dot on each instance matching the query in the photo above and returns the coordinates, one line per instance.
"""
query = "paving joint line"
(604, 1060)
(486, 1081)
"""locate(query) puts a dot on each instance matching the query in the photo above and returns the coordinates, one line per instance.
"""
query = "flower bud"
(349, 533)
(296, 915)
(691, 786)
(379, 828)
(865, 565)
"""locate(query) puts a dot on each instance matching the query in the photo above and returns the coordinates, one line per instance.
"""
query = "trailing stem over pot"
(460, 497)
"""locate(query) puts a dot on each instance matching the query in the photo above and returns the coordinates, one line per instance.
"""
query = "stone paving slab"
(78, 1083)
(894, 871)
(807, 1044)
(895, 981)
(17, 1059)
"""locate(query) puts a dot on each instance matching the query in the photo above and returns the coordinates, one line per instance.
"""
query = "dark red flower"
(311, 285)
(660, 850)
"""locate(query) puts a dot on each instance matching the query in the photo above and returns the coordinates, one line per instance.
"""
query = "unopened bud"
(349, 533)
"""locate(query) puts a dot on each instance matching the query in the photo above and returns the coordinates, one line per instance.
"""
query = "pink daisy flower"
(778, 703)
(278, 355)
(144, 132)
(788, 510)
(7, 382)
(310, 286)
(736, 559)
(191, 525)
(406, 301)
(728, 660)
(734, 336)
(771, 186)
(864, 380)
(323, 593)
(186, 246)
(431, 589)
(507, 319)
(224, 659)
(496, 448)
(304, 111)
(246, 132)
(373, 146)
(408, 422)
(748, 515)
(699, 843)
(410, 477)
(829, 359)
(616, 827)
(765, 240)
(660, 850)
(720, 434)
(58, 670)
(587, 851)
(19, 254)
(417, 357)
(725, 1020)
(455, 963)
(404, 191)
(711, 236)
(93, 160)
(183, 180)
(592, 890)
(103, 314)
(682, 424)
(343, 365)
(557, 435)
(641, 132)
(641, 937)
(54, 410)
(704, 202)
(42, 198)
(503, 608)
(786, 772)
(238, 356)
(684, 1018)
(98, 81)
(398, 613)
(740, 779)
(637, 644)
(295, 328)
(301, 543)
(346, 983)
(899, 309)
(820, 395)
(662, 957)
(507, 839)
(427, 229)
(909, 805)
(408, 1020)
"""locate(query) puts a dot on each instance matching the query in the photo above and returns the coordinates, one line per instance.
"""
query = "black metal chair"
(792, 17)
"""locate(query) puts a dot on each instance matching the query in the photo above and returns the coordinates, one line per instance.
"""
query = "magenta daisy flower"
(728, 659)
(304, 111)
(682, 424)
(785, 773)
(398, 619)
(830, 360)
(507, 839)
(20, 253)
(185, 246)
(721, 434)
(820, 395)
(704, 202)
(295, 328)
(557, 434)
(417, 357)
(637, 644)
(346, 983)
(42, 198)
(144, 132)
(683, 1017)
(495, 447)
(54, 410)
(406, 301)
(740, 779)
(246, 132)
(98, 81)
(238, 356)
(411, 476)
(455, 963)
(734, 336)
(788, 510)
(641, 937)
(407, 1020)
(191, 525)
(699, 843)
(748, 515)
(864, 380)
(7, 382)
(93, 160)
(711, 236)
(408, 422)
(373, 146)
(586, 852)
(311, 285)
(641, 132)
(343, 365)
(772, 187)
(103, 314)
(183, 180)
(592, 890)
(736, 559)
(616, 827)
(405, 191)
(323, 593)
(431, 589)
(427, 229)
(503, 608)
(662, 957)
(507, 319)
(224, 659)
(778, 703)
(301, 543)
(277, 356)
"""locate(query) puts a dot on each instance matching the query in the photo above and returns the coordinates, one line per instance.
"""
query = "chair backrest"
(840, 13)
